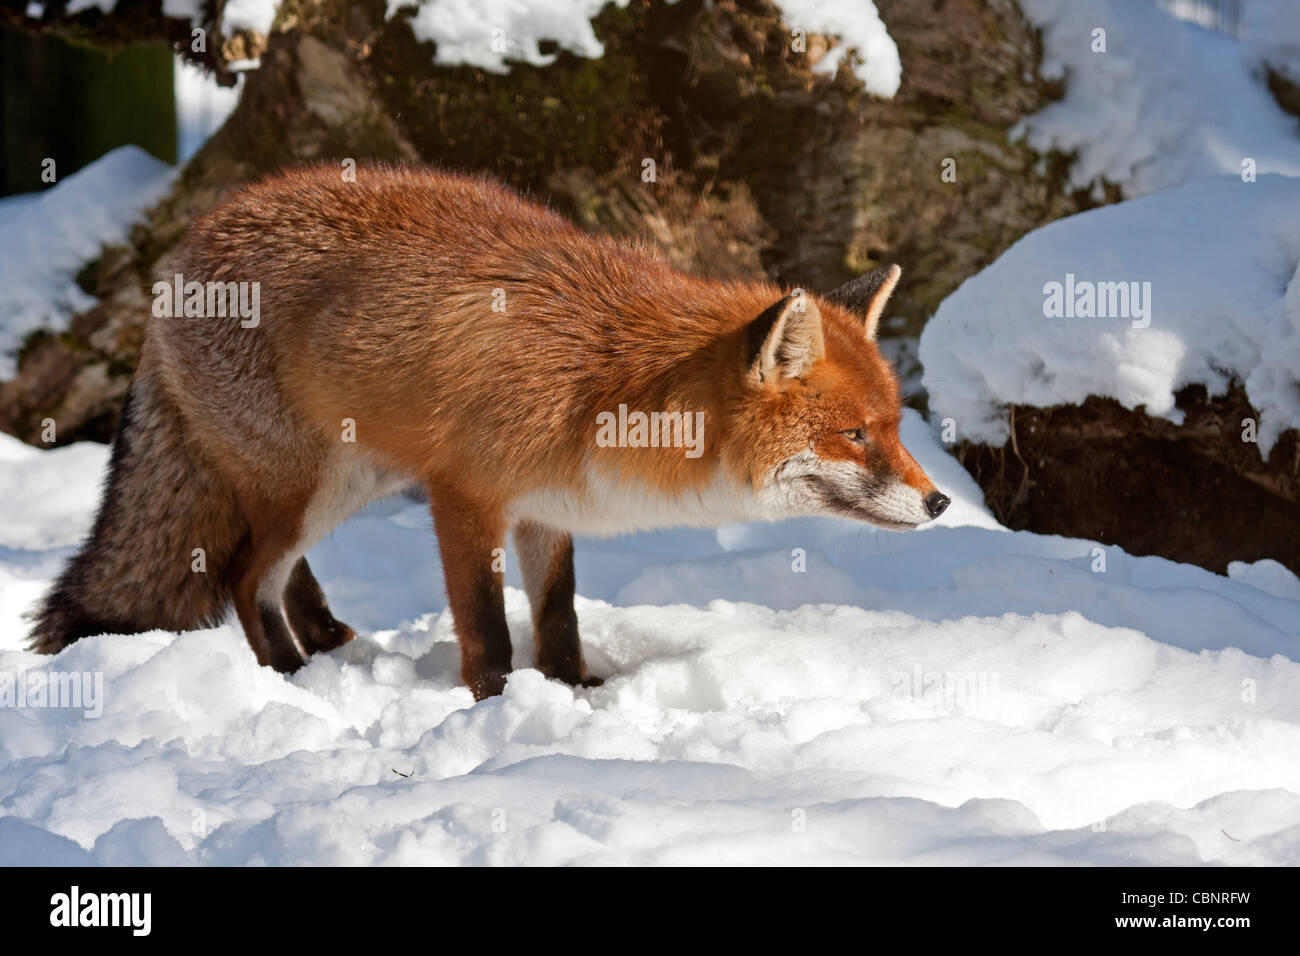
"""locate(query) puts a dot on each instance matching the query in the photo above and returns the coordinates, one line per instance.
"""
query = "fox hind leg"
(546, 560)
(316, 628)
(275, 581)
(258, 606)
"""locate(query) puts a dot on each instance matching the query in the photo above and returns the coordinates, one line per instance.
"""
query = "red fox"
(415, 326)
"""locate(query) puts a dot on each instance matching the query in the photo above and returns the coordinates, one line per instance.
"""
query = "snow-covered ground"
(961, 694)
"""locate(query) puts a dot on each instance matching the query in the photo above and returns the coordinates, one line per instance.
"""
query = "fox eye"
(855, 435)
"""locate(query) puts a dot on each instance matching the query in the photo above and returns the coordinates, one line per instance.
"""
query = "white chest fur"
(608, 507)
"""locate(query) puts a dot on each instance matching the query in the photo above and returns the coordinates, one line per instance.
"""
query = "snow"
(79, 6)
(46, 238)
(959, 694)
(202, 106)
(857, 24)
(1222, 257)
(1222, 15)
(1272, 34)
(1167, 102)
(1267, 575)
(489, 33)
(191, 10)
(255, 16)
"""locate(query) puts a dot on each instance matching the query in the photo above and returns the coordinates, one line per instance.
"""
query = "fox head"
(821, 412)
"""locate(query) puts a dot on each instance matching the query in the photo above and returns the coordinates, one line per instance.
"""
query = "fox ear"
(867, 294)
(785, 339)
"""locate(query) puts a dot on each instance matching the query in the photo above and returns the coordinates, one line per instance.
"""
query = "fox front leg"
(469, 533)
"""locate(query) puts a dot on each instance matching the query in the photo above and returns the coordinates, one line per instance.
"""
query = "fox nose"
(936, 502)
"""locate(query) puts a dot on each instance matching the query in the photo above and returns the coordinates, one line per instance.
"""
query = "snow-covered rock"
(1211, 275)
(47, 237)
(1167, 100)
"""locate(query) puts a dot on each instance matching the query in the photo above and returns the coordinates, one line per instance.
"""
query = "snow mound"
(1272, 34)
(487, 33)
(1168, 101)
(862, 35)
(1217, 264)
(806, 692)
(46, 237)
(1268, 575)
